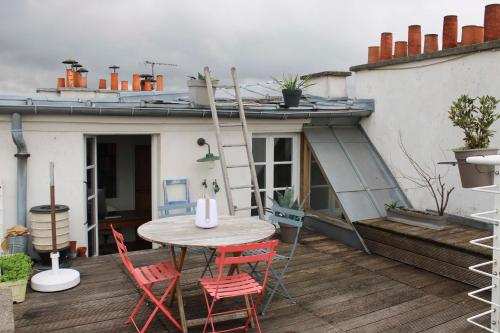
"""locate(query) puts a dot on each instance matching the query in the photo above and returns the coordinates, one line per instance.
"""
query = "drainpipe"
(22, 171)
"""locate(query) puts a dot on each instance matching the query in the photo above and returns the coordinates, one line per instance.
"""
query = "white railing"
(491, 242)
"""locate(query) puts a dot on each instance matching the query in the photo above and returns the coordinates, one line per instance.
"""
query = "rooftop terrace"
(341, 290)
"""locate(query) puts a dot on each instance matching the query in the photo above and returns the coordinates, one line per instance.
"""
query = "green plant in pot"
(288, 200)
(198, 91)
(474, 116)
(15, 270)
(292, 86)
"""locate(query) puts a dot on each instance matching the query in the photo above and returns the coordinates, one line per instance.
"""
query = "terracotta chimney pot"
(102, 84)
(159, 82)
(114, 81)
(148, 86)
(414, 40)
(450, 30)
(431, 43)
(70, 78)
(77, 78)
(136, 82)
(373, 54)
(400, 49)
(386, 46)
(472, 34)
(83, 81)
(61, 82)
(125, 85)
(492, 22)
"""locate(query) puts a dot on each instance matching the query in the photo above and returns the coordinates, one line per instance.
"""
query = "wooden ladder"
(246, 144)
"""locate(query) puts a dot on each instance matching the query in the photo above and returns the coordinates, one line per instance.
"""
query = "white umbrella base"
(55, 280)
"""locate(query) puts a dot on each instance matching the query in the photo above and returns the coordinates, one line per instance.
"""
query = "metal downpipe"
(22, 170)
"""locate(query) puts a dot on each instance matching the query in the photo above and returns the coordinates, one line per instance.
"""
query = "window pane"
(319, 198)
(90, 182)
(275, 194)
(283, 175)
(91, 242)
(255, 212)
(90, 151)
(316, 175)
(282, 149)
(259, 149)
(261, 175)
(90, 212)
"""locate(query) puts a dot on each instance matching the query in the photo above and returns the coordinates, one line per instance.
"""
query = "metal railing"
(491, 242)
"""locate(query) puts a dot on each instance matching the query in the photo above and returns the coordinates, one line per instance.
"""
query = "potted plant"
(475, 117)
(433, 182)
(288, 200)
(292, 86)
(15, 271)
(198, 91)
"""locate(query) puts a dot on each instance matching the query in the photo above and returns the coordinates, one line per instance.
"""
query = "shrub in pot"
(198, 91)
(292, 86)
(15, 271)
(475, 117)
(288, 200)
(428, 179)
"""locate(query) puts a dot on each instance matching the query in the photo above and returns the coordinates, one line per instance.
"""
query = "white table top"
(182, 231)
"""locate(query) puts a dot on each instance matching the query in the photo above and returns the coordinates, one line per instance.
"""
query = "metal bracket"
(482, 314)
(475, 269)
(489, 220)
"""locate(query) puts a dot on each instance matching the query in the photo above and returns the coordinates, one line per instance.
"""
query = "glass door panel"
(91, 195)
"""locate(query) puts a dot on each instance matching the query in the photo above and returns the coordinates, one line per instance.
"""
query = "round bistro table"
(182, 232)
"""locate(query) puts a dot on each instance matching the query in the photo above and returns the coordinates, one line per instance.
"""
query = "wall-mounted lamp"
(209, 157)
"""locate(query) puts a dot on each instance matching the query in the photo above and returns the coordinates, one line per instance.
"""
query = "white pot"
(198, 93)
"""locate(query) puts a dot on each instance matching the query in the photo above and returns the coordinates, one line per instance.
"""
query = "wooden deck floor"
(338, 289)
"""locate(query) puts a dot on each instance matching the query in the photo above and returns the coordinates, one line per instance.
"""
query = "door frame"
(93, 197)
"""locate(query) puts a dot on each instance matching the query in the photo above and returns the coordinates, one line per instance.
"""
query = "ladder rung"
(234, 145)
(241, 187)
(245, 208)
(238, 166)
(230, 124)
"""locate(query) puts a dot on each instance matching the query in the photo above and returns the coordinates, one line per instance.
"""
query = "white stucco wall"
(61, 139)
(414, 102)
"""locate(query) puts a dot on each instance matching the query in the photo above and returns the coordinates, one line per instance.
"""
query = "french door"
(276, 159)
(91, 221)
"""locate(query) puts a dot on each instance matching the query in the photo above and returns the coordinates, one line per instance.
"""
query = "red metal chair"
(147, 277)
(239, 285)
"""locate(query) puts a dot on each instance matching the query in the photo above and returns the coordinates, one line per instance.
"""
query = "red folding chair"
(147, 277)
(239, 285)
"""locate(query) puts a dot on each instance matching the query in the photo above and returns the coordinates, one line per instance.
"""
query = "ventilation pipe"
(22, 171)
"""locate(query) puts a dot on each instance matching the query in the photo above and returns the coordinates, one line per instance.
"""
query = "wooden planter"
(18, 289)
(417, 218)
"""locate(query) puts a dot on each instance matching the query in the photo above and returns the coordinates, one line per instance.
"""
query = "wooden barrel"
(41, 231)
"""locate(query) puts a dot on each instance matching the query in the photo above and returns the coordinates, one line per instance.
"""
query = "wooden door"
(143, 179)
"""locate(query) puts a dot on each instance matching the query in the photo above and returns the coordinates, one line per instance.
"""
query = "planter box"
(472, 175)
(417, 218)
(198, 91)
(18, 289)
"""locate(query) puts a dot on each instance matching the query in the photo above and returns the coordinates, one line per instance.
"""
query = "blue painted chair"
(292, 218)
(181, 207)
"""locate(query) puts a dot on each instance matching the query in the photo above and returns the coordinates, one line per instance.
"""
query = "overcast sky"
(262, 38)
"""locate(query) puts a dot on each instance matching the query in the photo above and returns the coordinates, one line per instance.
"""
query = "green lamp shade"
(208, 158)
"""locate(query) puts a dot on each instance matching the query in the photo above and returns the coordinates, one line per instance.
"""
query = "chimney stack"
(125, 85)
(61, 82)
(102, 84)
(373, 54)
(414, 40)
(472, 34)
(450, 30)
(70, 72)
(136, 82)
(159, 82)
(148, 85)
(386, 46)
(431, 43)
(114, 77)
(400, 49)
(492, 22)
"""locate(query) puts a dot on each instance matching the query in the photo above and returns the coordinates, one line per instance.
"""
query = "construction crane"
(154, 63)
